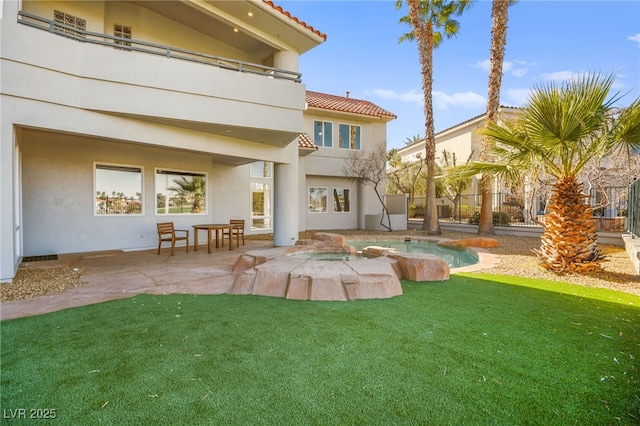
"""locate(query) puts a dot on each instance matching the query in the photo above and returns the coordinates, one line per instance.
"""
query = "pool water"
(455, 258)
(328, 255)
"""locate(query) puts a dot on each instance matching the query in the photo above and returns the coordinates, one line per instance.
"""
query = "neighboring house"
(337, 125)
(117, 115)
(463, 140)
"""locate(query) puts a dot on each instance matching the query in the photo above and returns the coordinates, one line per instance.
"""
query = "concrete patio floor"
(119, 275)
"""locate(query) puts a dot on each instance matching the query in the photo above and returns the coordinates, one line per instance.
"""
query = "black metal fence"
(634, 209)
(610, 209)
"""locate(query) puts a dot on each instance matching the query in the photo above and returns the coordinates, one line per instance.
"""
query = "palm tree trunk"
(499, 17)
(424, 36)
(569, 241)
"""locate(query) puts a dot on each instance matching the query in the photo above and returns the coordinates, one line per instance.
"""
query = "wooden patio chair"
(237, 230)
(167, 233)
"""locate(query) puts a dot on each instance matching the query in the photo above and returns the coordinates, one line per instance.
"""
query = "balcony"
(132, 45)
(57, 64)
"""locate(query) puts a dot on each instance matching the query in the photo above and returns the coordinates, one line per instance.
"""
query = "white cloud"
(408, 96)
(517, 97)
(442, 100)
(519, 72)
(562, 75)
(515, 68)
(635, 38)
(484, 65)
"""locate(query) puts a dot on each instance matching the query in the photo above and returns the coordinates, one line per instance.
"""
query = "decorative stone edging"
(274, 272)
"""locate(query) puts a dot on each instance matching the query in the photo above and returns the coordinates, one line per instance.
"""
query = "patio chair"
(167, 233)
(237, 230)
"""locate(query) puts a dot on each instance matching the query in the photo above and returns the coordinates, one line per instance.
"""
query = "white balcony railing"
(154, 49)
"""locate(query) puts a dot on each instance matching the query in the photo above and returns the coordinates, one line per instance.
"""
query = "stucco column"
(286, 60)
(285, 199)
(8, 227)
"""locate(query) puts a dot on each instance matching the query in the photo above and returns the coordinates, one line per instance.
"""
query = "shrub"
(499, 218)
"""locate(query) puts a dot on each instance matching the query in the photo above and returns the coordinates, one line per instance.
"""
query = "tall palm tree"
(499, 18)
(562, 127)
(432, 20)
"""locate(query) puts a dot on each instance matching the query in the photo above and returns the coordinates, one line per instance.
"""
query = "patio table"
(212, 227)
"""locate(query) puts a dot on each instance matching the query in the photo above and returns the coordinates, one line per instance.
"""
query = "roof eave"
(313, 36)
(384, 118)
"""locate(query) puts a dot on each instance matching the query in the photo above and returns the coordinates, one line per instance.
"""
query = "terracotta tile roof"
(296, 20)
(304, 141)
(346, 104)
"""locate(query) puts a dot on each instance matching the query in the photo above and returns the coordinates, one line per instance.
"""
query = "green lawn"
(465, 351)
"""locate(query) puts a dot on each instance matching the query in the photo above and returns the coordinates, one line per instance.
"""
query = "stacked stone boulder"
(274, 272)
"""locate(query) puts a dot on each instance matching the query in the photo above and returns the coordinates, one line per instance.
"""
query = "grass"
(472, 350)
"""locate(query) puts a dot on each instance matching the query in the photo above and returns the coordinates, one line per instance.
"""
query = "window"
(118, 189)
(261, 169)
(180, 192)
(122, 31)
(261, 173)
(323, 133)
(317, 200)
(341, 200)
(349, 136)
(260, 205)
(69, 21)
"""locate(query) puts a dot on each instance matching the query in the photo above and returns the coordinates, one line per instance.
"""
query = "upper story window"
(349, 136)
(122, 31)
(180, 192)
(323, 133)
(70, 21)
(118, 189)
(261, 169)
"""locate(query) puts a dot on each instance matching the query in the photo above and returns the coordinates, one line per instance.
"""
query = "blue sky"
(546, 41)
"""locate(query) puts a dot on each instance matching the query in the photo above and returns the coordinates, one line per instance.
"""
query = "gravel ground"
(34, 282)
(515, 253)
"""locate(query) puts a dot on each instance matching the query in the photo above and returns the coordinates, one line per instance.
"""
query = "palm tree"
(412, 140)
(499, 18)
(453, 185)
(562, 127)
(191, 190)
(431, 21)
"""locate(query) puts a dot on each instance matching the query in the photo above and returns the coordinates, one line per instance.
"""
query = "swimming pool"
(328, 255)
(455, 258)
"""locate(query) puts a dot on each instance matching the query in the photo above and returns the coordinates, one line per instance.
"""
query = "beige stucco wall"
(324, 168)
(58, 188)
(66, 104)
(331, 219)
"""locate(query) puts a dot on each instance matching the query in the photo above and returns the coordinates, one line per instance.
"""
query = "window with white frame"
(180, 192)
(261, 195)
(118, 189)
(72, 23)
(349, 136)
(317, 200)
(260, 205)
(261, 169)
(323, 133)
(341, 200)
(122, 31)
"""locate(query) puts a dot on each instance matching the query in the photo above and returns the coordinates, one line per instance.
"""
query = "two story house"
(464, 140)
(117, 115)
(339, 124)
